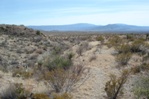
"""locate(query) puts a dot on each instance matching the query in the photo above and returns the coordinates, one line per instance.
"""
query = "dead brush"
(83, 47)
(63, 81)
(114, 86)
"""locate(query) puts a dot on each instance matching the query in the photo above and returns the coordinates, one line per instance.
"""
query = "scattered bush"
(38, 32)
(114, 87)
(114, 41)
(130, 37)
(100, 38)
(70, 56)
(135, 46)
(147, 36)
(124, 48)
(58, 49)
(123, 58)
(83, 47)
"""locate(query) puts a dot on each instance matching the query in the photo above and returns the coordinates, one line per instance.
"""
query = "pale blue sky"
(58, 12)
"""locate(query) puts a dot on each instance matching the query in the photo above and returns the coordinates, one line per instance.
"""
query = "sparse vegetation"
(123, 58)
(141, 88)
(114, 87)
(48, 65)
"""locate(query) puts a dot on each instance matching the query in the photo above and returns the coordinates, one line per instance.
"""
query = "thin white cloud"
(77, 11)
(129, 17)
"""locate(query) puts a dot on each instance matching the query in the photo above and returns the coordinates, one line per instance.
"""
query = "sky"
(60, 12)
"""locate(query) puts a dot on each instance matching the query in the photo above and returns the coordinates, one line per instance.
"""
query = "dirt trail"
(101, 68)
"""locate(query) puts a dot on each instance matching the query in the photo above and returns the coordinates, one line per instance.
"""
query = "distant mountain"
(92, 27)
(121, 27)
(71, 27)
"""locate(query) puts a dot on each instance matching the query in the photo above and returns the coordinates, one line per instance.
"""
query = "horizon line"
(73, 24)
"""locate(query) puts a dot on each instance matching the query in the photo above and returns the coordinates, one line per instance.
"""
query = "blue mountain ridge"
(91, 27)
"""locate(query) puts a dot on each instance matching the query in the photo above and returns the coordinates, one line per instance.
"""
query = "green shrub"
(141, 87)
(38, 32)
(58, 62)
(100, 38)
(123, 58)
(114, 41)
(124, 48)
(70, 55)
